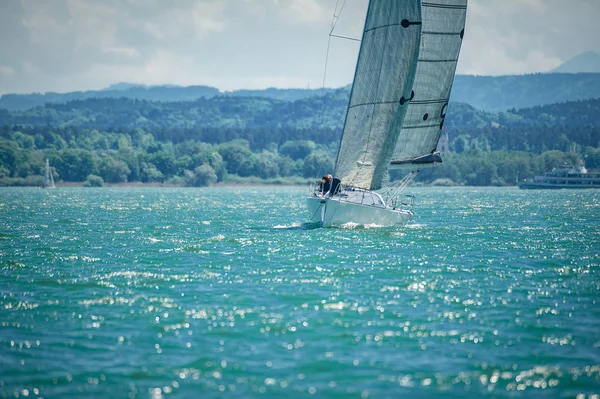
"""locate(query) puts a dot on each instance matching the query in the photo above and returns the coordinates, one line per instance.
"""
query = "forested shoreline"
(254, 140)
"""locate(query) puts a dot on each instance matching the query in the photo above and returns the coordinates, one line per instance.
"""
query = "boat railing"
(410, 201)
(315, 189)
(406, 204)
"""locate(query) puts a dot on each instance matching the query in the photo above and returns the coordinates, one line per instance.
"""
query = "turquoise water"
(224, 292)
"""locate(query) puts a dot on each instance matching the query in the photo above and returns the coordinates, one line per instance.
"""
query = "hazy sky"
(66, 45)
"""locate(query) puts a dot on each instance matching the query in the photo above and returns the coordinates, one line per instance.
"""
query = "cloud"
(179, 20)
(209, 17)
(40, 20)
(6, 71)
(93, 23)
(526, 36)
(63, 45)
(304, 11)
(126, 51)
(295, 12)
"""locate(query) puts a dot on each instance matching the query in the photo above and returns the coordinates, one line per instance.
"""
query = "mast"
(381, 91)
(441, 38)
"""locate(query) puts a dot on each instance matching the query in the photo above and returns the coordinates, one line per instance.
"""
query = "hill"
(489, 93)
(500, 93)
(163, 93)
(202, 141)
(588, 62)
(241, 112)
(152, 93)
(215, 112)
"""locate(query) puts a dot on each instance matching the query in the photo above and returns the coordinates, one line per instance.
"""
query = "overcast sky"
(66, 45)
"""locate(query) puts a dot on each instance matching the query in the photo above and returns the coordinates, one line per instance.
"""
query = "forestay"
(441, 39)
(380, 93)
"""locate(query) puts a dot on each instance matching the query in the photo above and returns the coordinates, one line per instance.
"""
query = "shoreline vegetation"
(222, 185)
(300, 182)
(254, 140)
(249, 183)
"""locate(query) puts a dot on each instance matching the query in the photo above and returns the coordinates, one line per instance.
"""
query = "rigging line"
(320, 113)
(334, 16)
(344, 37)
(337, 17)
(333, 24)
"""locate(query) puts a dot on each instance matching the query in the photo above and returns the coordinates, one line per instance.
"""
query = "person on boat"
(326, 184)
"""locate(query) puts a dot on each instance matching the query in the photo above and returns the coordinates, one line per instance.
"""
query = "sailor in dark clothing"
(326, 184)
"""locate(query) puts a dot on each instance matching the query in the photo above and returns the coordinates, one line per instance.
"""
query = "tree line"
(239, 138)
(96, 157)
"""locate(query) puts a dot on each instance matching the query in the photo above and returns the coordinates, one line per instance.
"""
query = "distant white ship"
(566, 177)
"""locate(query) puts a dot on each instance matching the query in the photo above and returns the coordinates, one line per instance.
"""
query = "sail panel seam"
(373, 103)
(389, 25)
(455, 60)
(420, 126)
(432, 101)
(410, 161)
(437, 5)
(441, 33)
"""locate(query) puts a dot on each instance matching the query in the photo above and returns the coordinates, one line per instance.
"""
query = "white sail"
(47, 174)
(48, 178)
(441, 39)
(380, 93)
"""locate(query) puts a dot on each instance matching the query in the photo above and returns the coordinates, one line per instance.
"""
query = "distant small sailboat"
(404, 73)
(48, 178)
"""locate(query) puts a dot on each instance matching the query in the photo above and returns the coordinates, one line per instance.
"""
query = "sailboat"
(48, 178)
(399, 99)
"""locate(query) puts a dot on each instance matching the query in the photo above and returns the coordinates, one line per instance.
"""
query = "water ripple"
(196, 292)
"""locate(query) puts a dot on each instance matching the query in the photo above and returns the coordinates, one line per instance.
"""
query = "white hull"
(336, 212)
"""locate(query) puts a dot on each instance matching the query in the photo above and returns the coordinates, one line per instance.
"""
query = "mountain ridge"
(488, 93)
(587, 62)
(230, 112)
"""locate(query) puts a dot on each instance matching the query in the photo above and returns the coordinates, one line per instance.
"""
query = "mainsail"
(381, 91)
(441, 37)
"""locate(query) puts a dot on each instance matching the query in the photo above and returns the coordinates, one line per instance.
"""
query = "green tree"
(93, 181)
(297, 149)
(215, 160)
(286, 166)
(9, 155)
(203, 175)
(238, 157)
(24, 141)
(592, 158)
(131, 157)
(75, 164)
(149, 173)
(164, 161)
(114, 171)
(266, 165)
(483, 172)
(316, 164)
(460, 144)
